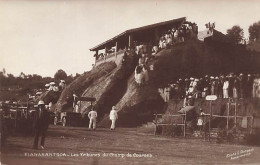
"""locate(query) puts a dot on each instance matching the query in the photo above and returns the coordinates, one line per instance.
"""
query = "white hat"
(114, 107)
(196, 79)
(211, 77)
(52, 83)
(38, 93)
(62, 81)
(47, 85)
(41, 102)
(191, 78)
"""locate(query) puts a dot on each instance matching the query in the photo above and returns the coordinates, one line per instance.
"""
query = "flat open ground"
(77, 145)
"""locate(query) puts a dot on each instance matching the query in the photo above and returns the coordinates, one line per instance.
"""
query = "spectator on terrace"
(47, 87)
(75, 100)
(62, 85)
(256, 87)
(231, 85)
(141, 59)
(155, 50)
(242, 85)
(236, 87)
(145, 75)
(138, 75)
(225, 88)
(124, 58)
(249, 86)
(167, 91)
(217, 86)
(213, 85)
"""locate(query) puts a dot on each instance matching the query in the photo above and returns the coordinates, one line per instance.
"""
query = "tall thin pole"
(228, 114)
(155, 124)
(210, 118)
(184, 132)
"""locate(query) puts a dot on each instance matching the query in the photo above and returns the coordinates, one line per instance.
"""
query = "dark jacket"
(41, 118)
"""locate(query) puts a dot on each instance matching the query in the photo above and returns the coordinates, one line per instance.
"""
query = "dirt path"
(77, 145)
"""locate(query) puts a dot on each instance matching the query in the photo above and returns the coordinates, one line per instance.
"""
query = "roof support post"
(96, 58)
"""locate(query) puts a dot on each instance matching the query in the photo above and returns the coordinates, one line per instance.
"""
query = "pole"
(228, 114)
(236, 114)
(184, 127)
(155, 131)
(236, 120)
(252, 124)
(210, 108)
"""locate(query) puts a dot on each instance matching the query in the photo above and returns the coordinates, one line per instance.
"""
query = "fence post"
(210, 108)
(155, 124)
(252, 123)
(184, 127)
(228, 114)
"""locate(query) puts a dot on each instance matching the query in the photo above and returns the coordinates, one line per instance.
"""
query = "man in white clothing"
(92, 115)
(225, 88)
(113, 117)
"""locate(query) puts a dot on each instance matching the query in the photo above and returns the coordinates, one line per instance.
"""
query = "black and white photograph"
(120, 82)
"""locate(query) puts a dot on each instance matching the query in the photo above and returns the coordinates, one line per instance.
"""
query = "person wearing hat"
(40, 124)
(249, 86)
(47, 86)
(62, 85)
(92, 115)
(113, 117)
(75, 100)
(225, 88)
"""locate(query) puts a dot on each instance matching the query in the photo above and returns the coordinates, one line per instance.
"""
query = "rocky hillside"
(112, 85)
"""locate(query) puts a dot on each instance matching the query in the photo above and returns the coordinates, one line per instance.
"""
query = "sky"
(43, 36)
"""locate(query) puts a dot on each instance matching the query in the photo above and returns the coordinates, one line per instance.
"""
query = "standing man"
(113, 117)
(40, 123)
(92, 115)
(225, 88)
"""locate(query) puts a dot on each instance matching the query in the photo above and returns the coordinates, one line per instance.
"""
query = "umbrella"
(186, 109)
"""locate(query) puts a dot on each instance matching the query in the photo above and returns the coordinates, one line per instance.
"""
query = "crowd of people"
(53, 87)
(229, 86)
(177, 35)
(147, 51)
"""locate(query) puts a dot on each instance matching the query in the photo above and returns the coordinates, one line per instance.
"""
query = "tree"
(235, 34)
(254, 31)
(60, 75)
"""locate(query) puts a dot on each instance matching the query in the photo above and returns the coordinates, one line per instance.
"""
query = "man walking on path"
(92, 115)
(40, 124)
(113, 117)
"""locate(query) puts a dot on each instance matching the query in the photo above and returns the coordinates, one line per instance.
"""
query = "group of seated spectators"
(229, 86)
(177, 35)
(53, 87)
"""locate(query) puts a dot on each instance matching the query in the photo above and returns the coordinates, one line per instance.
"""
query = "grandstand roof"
(134, 30)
